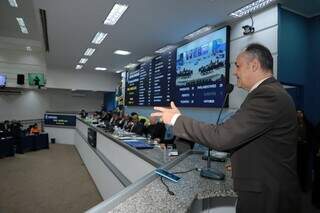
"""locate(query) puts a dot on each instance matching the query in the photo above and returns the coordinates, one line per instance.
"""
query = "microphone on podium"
(209, 172)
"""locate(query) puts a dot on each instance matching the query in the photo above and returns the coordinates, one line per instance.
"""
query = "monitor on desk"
(3, 80)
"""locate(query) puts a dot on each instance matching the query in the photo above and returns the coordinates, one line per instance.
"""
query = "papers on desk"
(123, 137)
(130, 138)
(138, 144)
(218, 154)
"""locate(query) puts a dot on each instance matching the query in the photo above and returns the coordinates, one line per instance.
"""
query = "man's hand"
(166, 113)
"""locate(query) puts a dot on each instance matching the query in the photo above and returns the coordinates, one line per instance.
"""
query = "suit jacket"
(262, 136)
(138, 128)
(157, 130)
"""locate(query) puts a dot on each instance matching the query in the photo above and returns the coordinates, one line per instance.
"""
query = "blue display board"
(3, 79)
(59, 120)
(193, 75)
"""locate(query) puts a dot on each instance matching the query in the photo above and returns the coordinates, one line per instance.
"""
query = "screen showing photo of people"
(201, 71)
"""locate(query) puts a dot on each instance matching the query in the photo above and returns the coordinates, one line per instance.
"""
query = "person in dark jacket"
(156, 129)
(262, 135)
(138, 125)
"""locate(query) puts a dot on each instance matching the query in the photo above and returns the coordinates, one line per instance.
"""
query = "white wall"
(62, 135)
(106, 182)
(93, 80)
(15, 59)
(266, 33)
(32, 104)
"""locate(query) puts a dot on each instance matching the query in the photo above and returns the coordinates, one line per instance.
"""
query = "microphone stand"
(209, 172)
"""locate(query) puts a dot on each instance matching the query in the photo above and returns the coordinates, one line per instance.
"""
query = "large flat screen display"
(3, 79)
(151, 84)
(59, 120)
(201, 70)
(193, 75)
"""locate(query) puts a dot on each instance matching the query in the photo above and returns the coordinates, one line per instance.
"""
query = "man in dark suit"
(156, 129)
(262, 136)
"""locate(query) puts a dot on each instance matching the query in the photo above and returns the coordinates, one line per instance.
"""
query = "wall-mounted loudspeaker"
(20, 79)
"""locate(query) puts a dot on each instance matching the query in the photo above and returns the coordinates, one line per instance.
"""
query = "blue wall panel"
(298, 58)
(293, 47)
(109, 101)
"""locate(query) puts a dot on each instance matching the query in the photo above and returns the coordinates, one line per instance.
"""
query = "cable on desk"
(167, 187)
(177, 172)
(182, 172)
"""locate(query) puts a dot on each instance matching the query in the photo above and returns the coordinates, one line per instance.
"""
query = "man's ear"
(254, 65)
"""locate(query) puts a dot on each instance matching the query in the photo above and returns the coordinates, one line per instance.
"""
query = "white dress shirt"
(258, 83)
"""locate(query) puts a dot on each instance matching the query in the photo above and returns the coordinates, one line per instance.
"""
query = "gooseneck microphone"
(209, 172)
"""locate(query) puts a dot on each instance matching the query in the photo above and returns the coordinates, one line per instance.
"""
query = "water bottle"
(165, 154)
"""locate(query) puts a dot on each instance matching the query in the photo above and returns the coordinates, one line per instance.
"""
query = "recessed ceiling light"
(13, 3)
(28, 48)
(250, 8)
(22, 25)
(198, 32)
(83, 60)
(115, 14)
(89, 51)
(166, 48)
(79, 67)
(122, 52)
(100, 68)
(119, 71)
(131, 65)
(145, 59)
(98, 38)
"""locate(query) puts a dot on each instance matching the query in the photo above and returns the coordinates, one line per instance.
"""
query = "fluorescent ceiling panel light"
(131, 66)
(198, 32)
(13, 3)
(145, 59)
(79, 67)
(100, 68)
(29, 48)
(89, 51)
(250, 8)
(119, 71)
(122, 52)
(22, 25)
(98, 38)
(166, 48)
(115, 14)
(83, 60)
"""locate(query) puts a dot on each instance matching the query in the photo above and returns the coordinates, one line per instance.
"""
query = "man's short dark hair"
(263, 55)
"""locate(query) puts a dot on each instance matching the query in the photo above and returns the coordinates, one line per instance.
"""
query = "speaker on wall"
(20, 79)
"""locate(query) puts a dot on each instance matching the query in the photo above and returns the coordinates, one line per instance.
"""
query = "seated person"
(35, 130)
(129, 124)
(114, 121)
(16, 129)
(83, 113)
(105, 116)
(96, 115)
(138, 126)
(123, 122)
(156, 129)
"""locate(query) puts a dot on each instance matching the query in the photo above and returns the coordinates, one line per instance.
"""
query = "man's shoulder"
(275, 92)
(272, 87)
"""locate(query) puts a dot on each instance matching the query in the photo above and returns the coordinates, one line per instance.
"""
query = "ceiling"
(146, 26)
